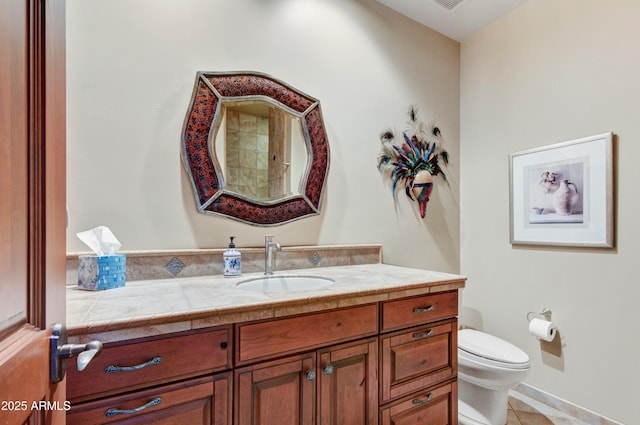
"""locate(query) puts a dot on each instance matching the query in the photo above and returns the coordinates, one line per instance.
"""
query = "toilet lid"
(490, 347)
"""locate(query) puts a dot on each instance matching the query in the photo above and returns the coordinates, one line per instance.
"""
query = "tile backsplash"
(146, 265)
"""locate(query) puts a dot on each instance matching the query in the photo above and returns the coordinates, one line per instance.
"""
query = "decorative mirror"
(255, 148)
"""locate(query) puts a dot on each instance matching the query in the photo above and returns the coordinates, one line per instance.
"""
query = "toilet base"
(466, 414)
(481, 406)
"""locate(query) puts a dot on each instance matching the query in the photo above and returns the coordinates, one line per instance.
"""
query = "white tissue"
(542, 329)
(101, 240)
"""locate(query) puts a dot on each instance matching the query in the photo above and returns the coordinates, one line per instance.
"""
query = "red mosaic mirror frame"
(201, 123)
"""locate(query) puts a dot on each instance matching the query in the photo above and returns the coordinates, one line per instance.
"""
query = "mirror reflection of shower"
(261, 150)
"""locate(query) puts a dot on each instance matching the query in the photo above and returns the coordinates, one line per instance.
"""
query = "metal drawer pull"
(419, 401)
(115, 369)
(114, 412)
(328, 369)
(423, 310)
(423, 335)
(311, 375)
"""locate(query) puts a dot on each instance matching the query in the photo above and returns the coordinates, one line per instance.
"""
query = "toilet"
(487, 368)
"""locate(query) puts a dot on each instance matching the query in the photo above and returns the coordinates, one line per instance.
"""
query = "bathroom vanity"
(378, 346)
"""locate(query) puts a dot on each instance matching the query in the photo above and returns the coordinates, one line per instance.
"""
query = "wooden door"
(281, 392)
(348, 384)
(32, 207)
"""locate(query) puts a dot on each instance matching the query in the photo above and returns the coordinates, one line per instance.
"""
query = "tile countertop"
(148, 307)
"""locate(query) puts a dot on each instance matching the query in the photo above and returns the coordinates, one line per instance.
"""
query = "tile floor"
(524, 410)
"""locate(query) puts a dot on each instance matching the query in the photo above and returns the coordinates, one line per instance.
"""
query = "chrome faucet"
(268, 254)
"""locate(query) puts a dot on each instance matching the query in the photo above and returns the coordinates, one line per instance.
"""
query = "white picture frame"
(562, 194)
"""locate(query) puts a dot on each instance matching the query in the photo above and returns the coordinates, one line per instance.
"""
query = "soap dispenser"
(232, 260)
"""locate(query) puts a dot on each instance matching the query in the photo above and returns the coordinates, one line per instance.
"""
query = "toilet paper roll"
(542, 329)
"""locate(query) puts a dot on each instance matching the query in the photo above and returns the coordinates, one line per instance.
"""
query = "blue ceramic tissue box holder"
(97, 273)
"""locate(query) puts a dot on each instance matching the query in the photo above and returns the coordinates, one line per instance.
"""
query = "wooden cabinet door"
(348, 384)
(279, 392)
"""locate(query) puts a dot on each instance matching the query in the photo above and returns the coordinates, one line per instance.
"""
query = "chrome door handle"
(60, 352)
(85, 352)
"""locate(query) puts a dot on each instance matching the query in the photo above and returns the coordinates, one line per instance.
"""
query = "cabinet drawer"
(417, 358)
(198, 401)
(257, 341)
(146, 363)
(436, 406)
(414, 311)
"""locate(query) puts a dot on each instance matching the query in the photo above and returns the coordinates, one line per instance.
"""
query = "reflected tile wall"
(145, 265)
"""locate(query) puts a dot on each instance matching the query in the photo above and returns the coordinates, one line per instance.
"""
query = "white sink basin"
(286, 283)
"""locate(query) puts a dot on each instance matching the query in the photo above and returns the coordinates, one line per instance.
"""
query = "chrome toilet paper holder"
(545, 312)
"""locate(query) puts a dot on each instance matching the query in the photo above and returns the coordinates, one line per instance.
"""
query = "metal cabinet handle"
(311, 375)
(114, 412)
(424, 334)
(423, 310)
(422, 401)
(115, 369)
(328, 369)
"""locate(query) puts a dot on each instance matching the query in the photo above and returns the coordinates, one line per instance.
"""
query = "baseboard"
(564, 406)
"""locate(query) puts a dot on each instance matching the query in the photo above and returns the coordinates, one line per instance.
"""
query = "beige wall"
(131, 68)
(554, 71)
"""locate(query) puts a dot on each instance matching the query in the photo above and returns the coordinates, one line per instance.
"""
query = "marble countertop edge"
(116, 310)
(215, 312)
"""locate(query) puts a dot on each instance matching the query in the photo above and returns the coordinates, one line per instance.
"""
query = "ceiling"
(457, 19)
